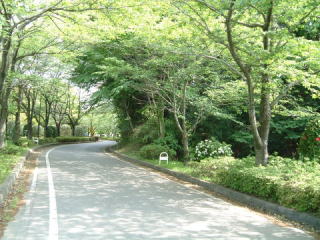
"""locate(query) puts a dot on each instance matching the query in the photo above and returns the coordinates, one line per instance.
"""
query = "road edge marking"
(53, 216)
(32, 190)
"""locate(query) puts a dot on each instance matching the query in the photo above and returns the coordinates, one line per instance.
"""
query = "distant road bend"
(79, 192)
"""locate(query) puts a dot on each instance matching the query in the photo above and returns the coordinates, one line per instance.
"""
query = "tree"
(76, 109)
(59, 113)
(19, 23)
(262, 51)
(113, 65)
(176, 81)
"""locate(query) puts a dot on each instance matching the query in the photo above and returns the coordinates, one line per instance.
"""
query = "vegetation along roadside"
(292, 184)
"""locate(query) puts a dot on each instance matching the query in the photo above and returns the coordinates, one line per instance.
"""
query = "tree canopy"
(172, 73)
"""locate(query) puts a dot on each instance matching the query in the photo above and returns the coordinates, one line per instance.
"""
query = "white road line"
(53, 217)
(32, 190)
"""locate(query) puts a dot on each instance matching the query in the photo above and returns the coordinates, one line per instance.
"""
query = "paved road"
(80, 193)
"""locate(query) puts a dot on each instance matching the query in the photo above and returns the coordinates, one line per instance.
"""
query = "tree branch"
(284, 92)
(308, 14)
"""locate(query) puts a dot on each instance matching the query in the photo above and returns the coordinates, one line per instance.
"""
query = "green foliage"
(212, 148)
(23, 142)
(10, 155)
(152, 151)
(291, 183)
(10, 150)
(146, 133)
(46, 140)
(51, 132)
(73, 139)
(169, 141)
(81, 131)
(309, 146)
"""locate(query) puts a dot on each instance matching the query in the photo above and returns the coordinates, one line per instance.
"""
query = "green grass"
(9, 156)
(133, 152)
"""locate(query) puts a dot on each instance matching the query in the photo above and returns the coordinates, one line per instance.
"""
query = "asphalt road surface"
(79, 192)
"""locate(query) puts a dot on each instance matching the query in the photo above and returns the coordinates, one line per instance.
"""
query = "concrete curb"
(250, 201)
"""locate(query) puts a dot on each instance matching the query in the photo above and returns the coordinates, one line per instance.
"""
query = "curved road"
(78, 192)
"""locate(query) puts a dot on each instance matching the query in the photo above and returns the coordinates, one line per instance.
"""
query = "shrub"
(65, 130)
(47, 140)
(212, 148)
(291, 183)
(152, 151)
(10, 150)
(73, 139)
(146, 132)
(51, 132)
(9, 156)
(81, 131)
(169, 141)
(23, 142)
(309, 146)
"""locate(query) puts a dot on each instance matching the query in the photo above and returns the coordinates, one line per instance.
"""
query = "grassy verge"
(16, 197)
(9, 156)
(284, 181)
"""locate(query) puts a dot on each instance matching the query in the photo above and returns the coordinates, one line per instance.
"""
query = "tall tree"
(17, 24)
(262, 50)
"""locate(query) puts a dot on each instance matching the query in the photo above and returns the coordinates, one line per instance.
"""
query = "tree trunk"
(184, 136)
(39, 122)
(265, 118)
(29, 128)
(159, 112)
(7, 41)
(30, 113)
(185, 144)
(2, 132)
(3, 126)
(261, 153)
(46, 126)
(3, 116)
(129, 118)
(260, 133)
(73, 129)
(17, 125)
(47, 119)
(58, 126)
(162, 127)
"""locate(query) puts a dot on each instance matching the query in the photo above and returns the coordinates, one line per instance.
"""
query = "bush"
(146, 132)
(47, 140)
(65, 130)
(152, 151)
(81, 131)
(51, 132)
(169, 141)
(10, 150)
(309, 146)
(291, 183)
(212, 148)
(73, 139)
(24, 142)
(9, 156)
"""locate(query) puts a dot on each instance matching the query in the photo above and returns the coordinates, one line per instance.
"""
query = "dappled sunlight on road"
(100, 197)
(104, 198)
